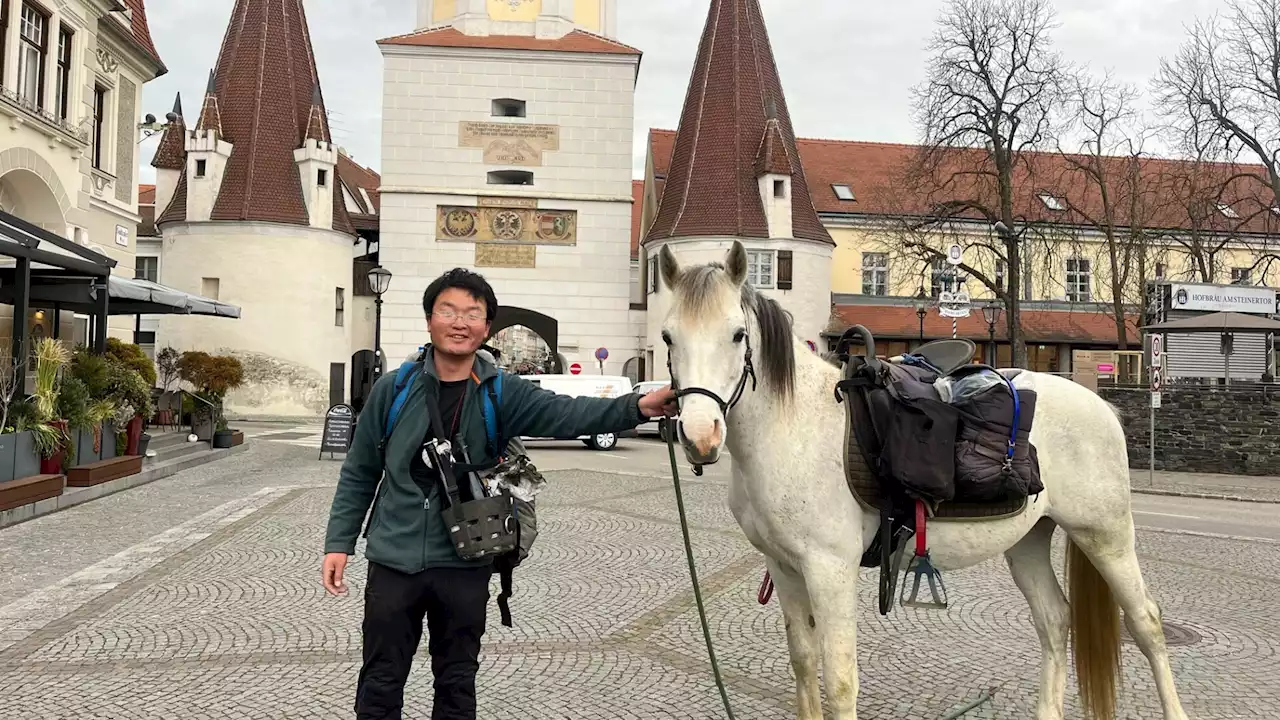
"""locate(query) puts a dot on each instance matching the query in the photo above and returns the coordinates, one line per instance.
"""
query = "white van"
(601, 386)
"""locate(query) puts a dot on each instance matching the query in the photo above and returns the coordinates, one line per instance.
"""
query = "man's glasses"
(451, 315)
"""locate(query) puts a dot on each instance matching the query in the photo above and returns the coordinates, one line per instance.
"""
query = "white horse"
(790, 496)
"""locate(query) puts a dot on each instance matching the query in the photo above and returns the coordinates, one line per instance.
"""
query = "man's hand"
(331, 574)
(659, 403)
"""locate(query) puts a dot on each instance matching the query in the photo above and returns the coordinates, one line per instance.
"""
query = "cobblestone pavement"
(198, 598)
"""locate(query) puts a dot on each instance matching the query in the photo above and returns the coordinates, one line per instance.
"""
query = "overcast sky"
(847, 66)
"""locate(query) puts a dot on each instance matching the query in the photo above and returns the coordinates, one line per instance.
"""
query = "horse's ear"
(737, 264)
(669, 267)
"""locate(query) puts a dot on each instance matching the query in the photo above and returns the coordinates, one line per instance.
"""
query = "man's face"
(458, 323)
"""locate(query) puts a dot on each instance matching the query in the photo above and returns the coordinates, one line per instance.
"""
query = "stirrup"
(921, 567)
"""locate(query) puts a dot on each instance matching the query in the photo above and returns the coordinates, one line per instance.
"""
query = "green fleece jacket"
(406, 531)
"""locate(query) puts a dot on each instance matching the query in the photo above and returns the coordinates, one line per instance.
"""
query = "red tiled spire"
(171, 154)
(315, 118)
(210, 116)
(735, 127)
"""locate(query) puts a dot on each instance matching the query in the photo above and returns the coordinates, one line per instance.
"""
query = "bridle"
(748, 371)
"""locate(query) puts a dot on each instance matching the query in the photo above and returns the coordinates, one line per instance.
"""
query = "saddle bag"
(984, 471)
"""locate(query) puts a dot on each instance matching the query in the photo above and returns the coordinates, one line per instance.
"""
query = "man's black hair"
(473, 283)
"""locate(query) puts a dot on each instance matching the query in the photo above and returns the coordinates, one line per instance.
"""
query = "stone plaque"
(500, 255)
(503, 224)
(510, 143)
(508, 202)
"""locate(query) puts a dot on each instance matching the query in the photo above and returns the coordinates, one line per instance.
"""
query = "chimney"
(207, 155)
(317, 162)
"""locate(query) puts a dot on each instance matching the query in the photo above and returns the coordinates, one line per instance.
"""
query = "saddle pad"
(867, 490)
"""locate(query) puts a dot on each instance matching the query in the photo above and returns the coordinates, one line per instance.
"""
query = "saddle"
(929, 434)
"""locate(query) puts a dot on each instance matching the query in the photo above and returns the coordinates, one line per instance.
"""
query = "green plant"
(51, 356)
(94, 371)
(128, 393)
(73, 402)
(134, 357)
(167, 364)
(222, 423)
(213, 375)
(122, 443)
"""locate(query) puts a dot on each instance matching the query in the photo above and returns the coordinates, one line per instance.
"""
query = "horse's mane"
(700, 289)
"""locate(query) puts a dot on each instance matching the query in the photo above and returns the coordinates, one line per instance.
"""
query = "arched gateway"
(547, 327)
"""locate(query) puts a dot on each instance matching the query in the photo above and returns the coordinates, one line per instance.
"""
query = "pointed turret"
(262, 105)
(171, 155)
(735, 170)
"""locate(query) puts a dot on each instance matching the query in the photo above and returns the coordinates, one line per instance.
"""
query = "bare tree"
(993, 86)
(1108, 188)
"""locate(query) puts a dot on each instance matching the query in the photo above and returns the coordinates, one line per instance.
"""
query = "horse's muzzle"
(703, 447)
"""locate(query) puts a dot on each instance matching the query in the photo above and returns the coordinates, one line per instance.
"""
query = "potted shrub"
(50, 431)
(223, 436)
(213, 377)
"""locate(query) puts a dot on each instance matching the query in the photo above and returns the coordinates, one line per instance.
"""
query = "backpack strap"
(404, 378)
(492, 418)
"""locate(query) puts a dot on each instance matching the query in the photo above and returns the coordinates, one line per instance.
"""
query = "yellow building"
(1191, 226)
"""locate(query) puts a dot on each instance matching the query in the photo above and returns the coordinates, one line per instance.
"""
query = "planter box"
(16, 493)
(108, 441)
(8, 450)
(26, 457)
(237, 438)
(104, 471)
(222, 439)
(202, 426)
(85, 454)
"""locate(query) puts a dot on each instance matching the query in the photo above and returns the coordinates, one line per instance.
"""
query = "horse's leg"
(1032, 569)
(1113, 554)
(802, 640)
(833, 594)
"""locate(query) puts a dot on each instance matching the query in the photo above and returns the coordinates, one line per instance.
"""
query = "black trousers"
(454, 603)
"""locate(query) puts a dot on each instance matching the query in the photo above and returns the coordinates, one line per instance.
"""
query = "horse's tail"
(1095, 635)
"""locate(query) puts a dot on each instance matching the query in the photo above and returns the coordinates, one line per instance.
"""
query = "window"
(937, 274)
(32, 32)
(1056, 204)
(1002, 270)
(210, 287)
(202, 166)
(63, 96)
(875, 273)
(1241, 276)
(1227, 210)
(339, 307)
(653, 276)
(760, 268)
(785, 263)
(1078, 280)
(99, 125)
(510, 177)
(509, 107)
(1159, 270)
(844, 192)
(146, 268)
(780, 189)
(4, 34)
(322, 178)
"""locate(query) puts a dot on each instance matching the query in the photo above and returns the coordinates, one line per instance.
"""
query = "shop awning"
(126, 292)
(77, 293)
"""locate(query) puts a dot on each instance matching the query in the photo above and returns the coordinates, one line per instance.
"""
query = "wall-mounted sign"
(508, 143)
(498, 255)
(506, 224)
(1223, 298)
(122, 235)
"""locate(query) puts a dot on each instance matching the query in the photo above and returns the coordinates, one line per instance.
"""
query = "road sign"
(955, 254)
(602, 354)
(813, 347)
(339, 428)
(575, 369)
(1155, 401)
(1157, 363)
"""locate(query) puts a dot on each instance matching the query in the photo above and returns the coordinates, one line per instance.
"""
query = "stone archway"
(30, 189)
(547, 328)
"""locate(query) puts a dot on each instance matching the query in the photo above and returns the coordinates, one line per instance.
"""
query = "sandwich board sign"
(339, 429)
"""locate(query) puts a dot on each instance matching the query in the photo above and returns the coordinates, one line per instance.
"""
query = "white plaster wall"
(283, 279)
(809, 300)
(428, 93)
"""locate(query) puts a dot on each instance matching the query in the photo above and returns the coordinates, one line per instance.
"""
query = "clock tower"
(538, 18)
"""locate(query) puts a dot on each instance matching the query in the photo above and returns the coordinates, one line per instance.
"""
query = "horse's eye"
(666, 337)
(740, 336)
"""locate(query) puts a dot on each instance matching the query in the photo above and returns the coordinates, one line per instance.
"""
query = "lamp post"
(922, 309)
(991, 313)
(379, 281)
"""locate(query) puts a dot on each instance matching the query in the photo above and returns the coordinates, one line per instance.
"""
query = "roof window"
(1053, 202)
(844, 192)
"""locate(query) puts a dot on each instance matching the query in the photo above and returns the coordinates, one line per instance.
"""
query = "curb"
(1203, 496)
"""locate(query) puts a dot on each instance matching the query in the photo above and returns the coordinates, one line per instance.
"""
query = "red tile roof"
(356, 176)
(171, 153)
(1166, 191)
(1039, 325)
(578, 41)
(712, 183)
(146, 194)
(637, 216)
(261, 96)
(142, 33)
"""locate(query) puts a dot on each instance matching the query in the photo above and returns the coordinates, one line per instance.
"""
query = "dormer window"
(1053, 202)
(844, 192)
(322, 178)
(509, 107)
(201, 166)
(1228, 211)
(780, 189)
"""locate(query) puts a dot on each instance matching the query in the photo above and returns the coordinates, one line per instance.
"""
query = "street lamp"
(379, 281)
(991, 313)
(922, 309)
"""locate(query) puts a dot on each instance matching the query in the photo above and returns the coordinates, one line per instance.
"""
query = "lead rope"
(669, 432)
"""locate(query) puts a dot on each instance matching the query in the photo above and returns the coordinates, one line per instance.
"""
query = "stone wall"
(1204, 429)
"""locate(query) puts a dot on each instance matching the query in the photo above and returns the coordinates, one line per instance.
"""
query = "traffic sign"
(1157, 364)
(602, 354)
(575, 369)
(1155, 401)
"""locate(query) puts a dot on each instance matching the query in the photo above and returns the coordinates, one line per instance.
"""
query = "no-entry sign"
(575, 369)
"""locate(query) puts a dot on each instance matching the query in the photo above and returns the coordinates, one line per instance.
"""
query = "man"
(414, 570)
